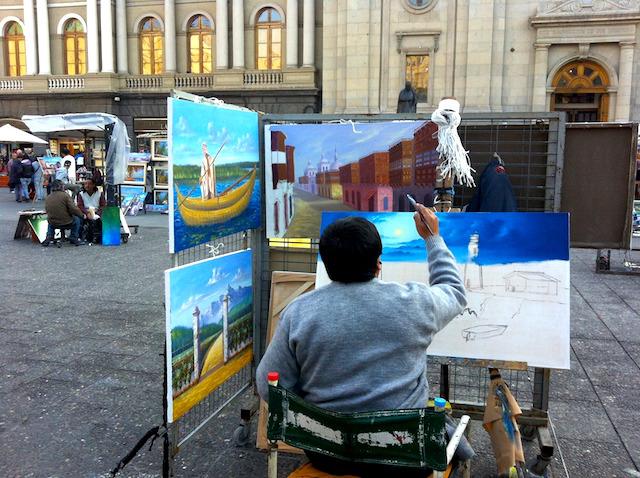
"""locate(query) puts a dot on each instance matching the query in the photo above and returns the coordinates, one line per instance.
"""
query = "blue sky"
(204, 282)
(311, 140)
(504, 237)
(195, 123)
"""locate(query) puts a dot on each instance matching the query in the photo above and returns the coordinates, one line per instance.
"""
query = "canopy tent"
(11, 134)
(119, 145)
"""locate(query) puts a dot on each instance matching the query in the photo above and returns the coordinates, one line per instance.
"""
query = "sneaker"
(46, 243)
(76, 242)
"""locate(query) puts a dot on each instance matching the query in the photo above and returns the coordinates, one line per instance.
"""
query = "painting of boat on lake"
(209, 326)
(214, 172)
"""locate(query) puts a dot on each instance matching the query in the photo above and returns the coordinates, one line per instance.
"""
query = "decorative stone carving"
(572, 7)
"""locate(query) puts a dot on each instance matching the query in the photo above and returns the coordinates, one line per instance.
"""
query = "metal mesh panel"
(191, 422)
(531, 147)
(469, 385)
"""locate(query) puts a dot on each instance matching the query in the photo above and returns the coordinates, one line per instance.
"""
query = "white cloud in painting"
(217, 275)
(191, 302)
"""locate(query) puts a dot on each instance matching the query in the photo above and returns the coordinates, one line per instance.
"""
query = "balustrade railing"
(12, 84)
(66, 83)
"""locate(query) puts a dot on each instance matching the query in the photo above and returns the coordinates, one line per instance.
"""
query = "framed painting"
(160, 149)
(160, 177)
(135, 173)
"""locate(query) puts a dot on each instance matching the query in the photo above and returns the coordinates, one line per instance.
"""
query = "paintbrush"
(414, 203)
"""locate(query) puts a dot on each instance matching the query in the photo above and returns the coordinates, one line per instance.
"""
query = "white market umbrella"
(11, 134)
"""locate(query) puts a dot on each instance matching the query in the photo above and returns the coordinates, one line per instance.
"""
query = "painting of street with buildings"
(209, 326)
(312, 168)
(517, 285)
(214, 172)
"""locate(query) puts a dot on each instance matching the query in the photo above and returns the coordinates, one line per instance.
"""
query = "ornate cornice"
(587, 7)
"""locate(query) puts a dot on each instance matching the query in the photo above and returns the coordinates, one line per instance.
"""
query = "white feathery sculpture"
(455, 159)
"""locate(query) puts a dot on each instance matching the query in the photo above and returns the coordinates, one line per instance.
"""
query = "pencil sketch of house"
(531, 282)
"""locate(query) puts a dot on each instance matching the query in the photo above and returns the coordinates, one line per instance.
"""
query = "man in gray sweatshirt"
(359, 344)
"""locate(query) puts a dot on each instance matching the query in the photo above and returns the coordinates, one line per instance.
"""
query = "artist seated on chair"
(359, 344)
(91, 201)
(62, 213)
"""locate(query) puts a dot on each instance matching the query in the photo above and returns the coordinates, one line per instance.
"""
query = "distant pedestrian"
(26, 177)
(72, 164)
(38, 179)
(15, 175)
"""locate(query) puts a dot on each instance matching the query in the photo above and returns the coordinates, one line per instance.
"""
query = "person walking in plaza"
(38, 179)
(26, 177)
(62, 213)
(15, 174)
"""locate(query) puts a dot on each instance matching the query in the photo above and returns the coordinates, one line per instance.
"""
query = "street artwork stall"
(216, 293)
(117, 154)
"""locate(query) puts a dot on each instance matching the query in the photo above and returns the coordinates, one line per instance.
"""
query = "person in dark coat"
(15, 173)
(62, 212)
(494, 193)
(407, 99)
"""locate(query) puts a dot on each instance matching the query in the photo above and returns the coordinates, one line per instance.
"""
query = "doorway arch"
(580, 88)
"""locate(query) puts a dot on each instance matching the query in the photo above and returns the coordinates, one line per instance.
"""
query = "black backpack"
(27, 170)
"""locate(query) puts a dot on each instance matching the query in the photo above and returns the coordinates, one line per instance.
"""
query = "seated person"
(91, 201)
(359, 344)
(62, 213)
(68, 179)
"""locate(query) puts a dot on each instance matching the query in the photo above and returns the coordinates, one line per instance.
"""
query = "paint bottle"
(272, 378)
(439, 404)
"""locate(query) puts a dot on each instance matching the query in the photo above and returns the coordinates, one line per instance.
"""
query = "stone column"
(93, 54)
(541, 63)
(121, 37)
(44, 50)
(238, 34)
(222, 35)
(30, 38)
(292, 34)
(106, 36)
(308, 34)
(625, 75)
(169, 36)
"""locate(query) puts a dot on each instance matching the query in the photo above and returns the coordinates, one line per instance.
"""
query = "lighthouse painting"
(515, 268)
(209, 326)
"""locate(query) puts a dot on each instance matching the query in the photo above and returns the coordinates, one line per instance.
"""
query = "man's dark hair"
(65, 151)
(350, 248)
(57, 185)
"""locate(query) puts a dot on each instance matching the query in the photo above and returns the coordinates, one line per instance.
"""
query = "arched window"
(75, 48)
(15, 51)
(151, 47)
(580, 89)
(200, 44)
(268, 39)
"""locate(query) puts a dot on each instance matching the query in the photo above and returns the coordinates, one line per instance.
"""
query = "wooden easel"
(285, 286)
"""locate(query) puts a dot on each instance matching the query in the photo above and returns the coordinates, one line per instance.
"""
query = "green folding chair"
(412, 438)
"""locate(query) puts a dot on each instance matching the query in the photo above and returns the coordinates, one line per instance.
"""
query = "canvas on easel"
(515, 267)
(285, 287)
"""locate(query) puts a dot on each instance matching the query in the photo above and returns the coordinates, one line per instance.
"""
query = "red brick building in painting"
(372, 191)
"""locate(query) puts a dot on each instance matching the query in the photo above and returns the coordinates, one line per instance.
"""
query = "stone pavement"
(82, 328)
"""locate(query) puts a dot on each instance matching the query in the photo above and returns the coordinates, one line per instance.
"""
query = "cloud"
(191, 302)
(217, 275)
(241, 275)
(182, 127)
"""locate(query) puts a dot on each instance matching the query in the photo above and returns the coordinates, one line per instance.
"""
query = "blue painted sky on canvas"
(204, 282)
(311, 140)
(504, 237)
(197, 123)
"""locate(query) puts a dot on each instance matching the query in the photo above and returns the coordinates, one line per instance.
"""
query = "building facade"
(579, 56)
(124, 57)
